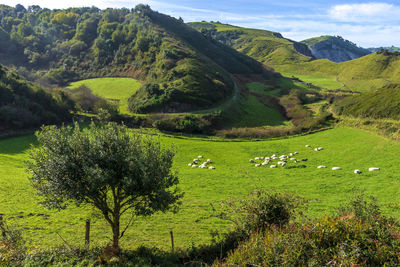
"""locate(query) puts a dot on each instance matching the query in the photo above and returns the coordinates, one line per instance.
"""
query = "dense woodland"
(25, 105)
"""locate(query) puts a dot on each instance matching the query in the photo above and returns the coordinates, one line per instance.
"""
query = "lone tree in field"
(105, 166)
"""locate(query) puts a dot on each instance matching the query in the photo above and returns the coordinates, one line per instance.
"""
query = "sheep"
(194, 166)
(251, 160)
(291, 154)
(211, 168)
(203, 167)
(296, 153)
(316, 149)
(264, 163)
(195, 160)
(308, 146)
(267, 158)
(273, 166)
(257, 158)
(321, 167)
(292, 159)
(320, 148)
(209, 161)
(200, 157)
(280, 163)
(284, 164)
(190, 164)
(336, 168)
(273, 156)
(357, 171)
(258, 165)
(373, 169)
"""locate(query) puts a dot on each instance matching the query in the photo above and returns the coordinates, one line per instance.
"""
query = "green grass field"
(320, 81)
(234, 176)
(119, 89)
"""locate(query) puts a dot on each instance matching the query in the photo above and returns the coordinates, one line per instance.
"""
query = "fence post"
(3, 230)
(172, 241)
(87, 234)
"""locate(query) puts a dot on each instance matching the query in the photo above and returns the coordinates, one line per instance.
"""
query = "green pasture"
(114, 89)
(234, 176)
(320, 81)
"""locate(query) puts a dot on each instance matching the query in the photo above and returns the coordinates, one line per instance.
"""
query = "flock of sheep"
(284, 159)
(204, 165)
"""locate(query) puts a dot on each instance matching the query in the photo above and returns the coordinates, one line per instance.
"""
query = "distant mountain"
(388, 48)
(25, 105)
(334, 48)
(180, 69)
(268, 47)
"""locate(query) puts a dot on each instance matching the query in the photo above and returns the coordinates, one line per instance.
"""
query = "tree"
(106, 166)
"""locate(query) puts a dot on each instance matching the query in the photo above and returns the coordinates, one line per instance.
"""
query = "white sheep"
(200, 157)
(357, 171)
(280, 163)
(296, 153)
(257, 158)
(211, 168)
(273, 166)
(373, 169)
(258, 165)
(203, 167)
(251, 160)
(264, 163)
(321, 167)
(320, 148)
(316, 149)
(209, 161)
(291, 154)
(190, 164)
(194, 166)
(308, 146)
(336, 168)
(284, 164)
(195, 160)
(267, 158)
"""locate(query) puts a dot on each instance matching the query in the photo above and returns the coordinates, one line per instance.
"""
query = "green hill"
(334, 48)
(366, 73)
(180, 69)
(383, 103)
(25, 105)
(265, 46)
(291, 58)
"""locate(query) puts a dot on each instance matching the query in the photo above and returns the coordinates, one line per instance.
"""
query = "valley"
(238, 96)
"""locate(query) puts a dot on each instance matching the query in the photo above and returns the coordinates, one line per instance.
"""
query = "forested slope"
(180, 68)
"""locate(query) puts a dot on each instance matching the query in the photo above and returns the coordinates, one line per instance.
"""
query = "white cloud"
(365, 12)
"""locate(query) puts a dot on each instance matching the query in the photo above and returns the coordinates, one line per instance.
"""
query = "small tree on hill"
(105, 166)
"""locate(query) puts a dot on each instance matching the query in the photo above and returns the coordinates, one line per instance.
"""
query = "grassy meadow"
(234, 176)
(115, 89)
(320, 81)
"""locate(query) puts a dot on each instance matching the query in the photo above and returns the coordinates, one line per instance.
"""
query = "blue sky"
(367, 23)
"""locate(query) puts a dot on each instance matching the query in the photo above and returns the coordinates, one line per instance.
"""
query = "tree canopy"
(107, 166)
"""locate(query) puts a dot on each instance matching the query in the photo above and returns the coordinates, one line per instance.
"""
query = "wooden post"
(87, 234)
(3, 231)
(172, 241)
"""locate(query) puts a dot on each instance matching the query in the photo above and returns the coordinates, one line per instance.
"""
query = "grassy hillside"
(366, 73)
(113, 89)
(265, 46)
(383, 103)
(25, 105)
(294, 59)
(180, 69)
(234, 176)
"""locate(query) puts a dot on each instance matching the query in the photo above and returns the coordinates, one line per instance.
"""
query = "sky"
(366, 23)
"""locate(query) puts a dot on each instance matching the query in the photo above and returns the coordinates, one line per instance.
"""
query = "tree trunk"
(115, 229)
